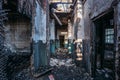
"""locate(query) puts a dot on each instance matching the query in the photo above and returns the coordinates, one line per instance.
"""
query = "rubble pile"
(59, 62)
(61, 50)
(62, 58)
(16, 63)
(24, 75)
(65, 69)
(70, 73)
(104, 74)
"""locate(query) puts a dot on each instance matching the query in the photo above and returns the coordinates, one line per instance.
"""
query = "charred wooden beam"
(53, 12)
(57, 18)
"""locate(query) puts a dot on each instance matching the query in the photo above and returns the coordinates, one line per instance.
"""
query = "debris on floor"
(61, 50)
(59, 62)
(26, 74)
(65, 69)
(104, 74)
(70, 73)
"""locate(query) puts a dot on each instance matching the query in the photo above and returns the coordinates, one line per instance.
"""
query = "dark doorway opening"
(104, 43)
(61, 38)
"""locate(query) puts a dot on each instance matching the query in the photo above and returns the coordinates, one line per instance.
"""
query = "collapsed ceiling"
(63, 10)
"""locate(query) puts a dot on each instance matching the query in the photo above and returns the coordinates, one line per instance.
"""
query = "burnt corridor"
(59, 39)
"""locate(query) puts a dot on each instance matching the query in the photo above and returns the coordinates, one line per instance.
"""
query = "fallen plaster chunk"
(59, 62)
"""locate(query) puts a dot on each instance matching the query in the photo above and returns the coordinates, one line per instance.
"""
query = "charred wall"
(87, 28)
(40, 34)
(94, 9)
(16, 44)
(14, 40)
(17, 33)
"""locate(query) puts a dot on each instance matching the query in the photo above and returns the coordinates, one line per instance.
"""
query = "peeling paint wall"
(39, 28)
(17, 35)
(40, 32)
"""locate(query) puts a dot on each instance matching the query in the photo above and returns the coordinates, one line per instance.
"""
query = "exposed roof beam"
(56, 1)
(57, 18)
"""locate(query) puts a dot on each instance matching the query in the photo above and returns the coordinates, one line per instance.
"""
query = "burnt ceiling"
(63, 11)
(10, 5)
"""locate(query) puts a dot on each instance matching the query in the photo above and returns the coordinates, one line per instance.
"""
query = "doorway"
(104, 43)
(61, 38)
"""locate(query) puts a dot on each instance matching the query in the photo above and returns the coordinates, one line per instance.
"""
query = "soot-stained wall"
(17, 35)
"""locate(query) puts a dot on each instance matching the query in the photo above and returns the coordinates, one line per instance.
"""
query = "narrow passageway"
(65, 67)
(59, 39)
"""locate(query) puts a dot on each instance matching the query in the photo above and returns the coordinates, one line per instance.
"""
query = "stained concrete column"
(39, 36)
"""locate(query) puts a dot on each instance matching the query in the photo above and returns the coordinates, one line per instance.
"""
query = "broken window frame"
(109, 35)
